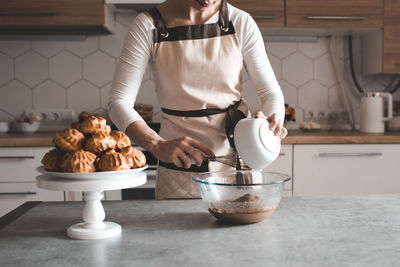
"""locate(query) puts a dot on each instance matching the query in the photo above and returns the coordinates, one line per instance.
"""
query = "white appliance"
(372, 111)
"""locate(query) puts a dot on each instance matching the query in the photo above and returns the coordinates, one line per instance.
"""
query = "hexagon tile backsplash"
(78, 74)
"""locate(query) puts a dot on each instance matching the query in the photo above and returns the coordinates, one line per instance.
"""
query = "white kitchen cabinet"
(13, 195)
(17, 177)
(18, 164)
(283, 164)
(346, 169)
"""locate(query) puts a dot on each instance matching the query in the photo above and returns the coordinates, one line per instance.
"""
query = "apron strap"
(159, 22)
(233, 115)
(223, 20)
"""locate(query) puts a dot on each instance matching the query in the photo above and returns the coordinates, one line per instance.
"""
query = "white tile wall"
(83, 48)
(65, 68)
(7, 69)
(297, 69)
(78, 74)
(14, 48)
(47, 48)
(49, 90)
(31, 68)
(98, 68)
(83, 96)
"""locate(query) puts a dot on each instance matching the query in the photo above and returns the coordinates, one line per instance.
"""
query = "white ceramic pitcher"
(372, 119)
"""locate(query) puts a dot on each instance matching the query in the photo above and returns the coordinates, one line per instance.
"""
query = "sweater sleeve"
(129, 73)
(259, 68)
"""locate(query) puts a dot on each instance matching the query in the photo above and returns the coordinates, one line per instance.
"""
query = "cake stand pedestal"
(93, 225)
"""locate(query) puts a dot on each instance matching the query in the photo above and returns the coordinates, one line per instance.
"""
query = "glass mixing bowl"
(241, 196)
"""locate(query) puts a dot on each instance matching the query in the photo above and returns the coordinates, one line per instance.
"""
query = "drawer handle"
(282, 154)
(16, 193)
(334, 18)
(28, 14)
(371, 154)
(17, 157)
(264, 17)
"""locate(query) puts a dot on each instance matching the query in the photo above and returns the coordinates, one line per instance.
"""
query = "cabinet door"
(52, 12)
(18, 164)
(334, 13)
(283, 164)
(267, 13)
(346, 169)
(391, 36)
(13, 195)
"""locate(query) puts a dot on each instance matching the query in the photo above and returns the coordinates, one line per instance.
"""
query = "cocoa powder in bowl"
(243, 210)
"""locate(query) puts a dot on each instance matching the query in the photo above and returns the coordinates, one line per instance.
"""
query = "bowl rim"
(284, 180)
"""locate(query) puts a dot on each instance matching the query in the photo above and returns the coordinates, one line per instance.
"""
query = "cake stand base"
(93, 225)
(105, 230)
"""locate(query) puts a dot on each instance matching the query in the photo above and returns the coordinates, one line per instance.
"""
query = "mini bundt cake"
(137, 157)
(51, 160)
(69, 140)
(99, 143)
(113, 161)
(94, 124)
(121, 139)
(78, 161)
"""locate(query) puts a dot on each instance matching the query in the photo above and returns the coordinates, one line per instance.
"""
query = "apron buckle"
(164, 35)
(225, 29)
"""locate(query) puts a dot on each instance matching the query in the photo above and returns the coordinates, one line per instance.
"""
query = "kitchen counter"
(304, 231)
(340, 137)
(294, 137)
(26, 139)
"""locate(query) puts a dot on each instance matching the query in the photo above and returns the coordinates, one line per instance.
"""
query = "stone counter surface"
(294, 137)
(304, 231)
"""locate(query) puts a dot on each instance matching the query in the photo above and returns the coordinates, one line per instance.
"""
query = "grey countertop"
(304, 231)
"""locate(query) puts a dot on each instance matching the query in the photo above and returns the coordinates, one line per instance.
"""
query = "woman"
(198, 49)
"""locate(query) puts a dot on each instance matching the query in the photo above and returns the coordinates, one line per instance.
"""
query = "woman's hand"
(275, 124)
(180, 151)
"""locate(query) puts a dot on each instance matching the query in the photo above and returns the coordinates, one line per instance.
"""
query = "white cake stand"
(94, 226)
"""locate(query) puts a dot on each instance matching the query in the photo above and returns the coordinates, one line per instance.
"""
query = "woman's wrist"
(144, 136)
(153, 144)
